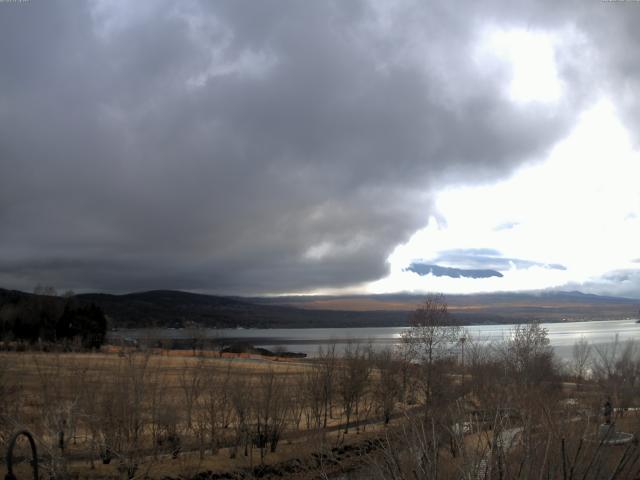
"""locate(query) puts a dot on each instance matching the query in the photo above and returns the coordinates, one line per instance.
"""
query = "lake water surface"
(307, 340)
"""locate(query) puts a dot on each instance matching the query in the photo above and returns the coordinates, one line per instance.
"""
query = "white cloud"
(530, 57)
(580, 208)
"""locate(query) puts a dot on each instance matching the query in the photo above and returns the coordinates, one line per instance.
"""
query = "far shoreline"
(377, 326)
(562, 336)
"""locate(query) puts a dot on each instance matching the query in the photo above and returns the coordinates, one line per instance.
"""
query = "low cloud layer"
(273, 146)
(488, 259)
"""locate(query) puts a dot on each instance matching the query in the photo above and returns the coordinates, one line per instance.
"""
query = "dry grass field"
(509, 411)
(161, 414)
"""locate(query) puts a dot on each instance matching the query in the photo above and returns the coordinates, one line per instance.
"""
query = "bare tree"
(58, 395)
(123, 410)
(580, 357)
(297, 393)
(191, 381)
(628, 370)
(528, 355)
(404, 354)
(315, 399)
(430, 338)
(352, 380)
(486, 374)
(270, 407)
(605, 370)
(327, 361)
(616, 369)
(386, 384)
(217, 405)
(528, 384)
(241, 402)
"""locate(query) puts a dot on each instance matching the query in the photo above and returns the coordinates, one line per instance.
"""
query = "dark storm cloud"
(255, 146)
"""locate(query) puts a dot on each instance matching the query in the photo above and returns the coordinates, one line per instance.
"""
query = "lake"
(307, 340)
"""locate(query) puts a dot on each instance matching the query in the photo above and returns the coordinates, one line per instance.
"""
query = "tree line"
(46, 317)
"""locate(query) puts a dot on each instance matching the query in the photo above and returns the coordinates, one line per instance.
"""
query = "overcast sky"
(256, 147)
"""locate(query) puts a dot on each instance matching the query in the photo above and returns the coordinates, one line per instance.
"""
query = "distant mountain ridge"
(167, 308)
(160, 308)
(440, 271)
(172, 308)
